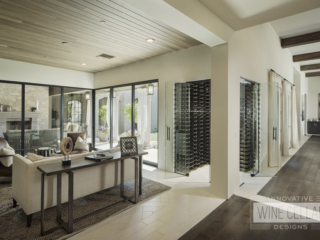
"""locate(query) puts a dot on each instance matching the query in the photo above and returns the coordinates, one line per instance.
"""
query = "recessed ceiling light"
(150, 40)
(83, 64)
(102, 21)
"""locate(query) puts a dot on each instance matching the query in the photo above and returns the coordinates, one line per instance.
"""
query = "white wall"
(28, 72)
(252, 52)
(313, 92)
(301, 83)
(181, 66)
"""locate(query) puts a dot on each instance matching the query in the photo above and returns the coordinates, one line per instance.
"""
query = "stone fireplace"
(12, 121)
(16, 125)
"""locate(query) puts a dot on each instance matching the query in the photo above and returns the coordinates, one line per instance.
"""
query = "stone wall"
(34, 93)
(10, 95)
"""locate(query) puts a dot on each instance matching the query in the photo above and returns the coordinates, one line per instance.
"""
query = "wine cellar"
(191, 125)
(249, 127)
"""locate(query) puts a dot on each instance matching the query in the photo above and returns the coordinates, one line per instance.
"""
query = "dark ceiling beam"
(306, 57)
(313, 74)
(300, 40)
(310, 67)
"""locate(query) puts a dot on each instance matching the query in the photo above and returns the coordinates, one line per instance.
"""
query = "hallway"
(300, 176)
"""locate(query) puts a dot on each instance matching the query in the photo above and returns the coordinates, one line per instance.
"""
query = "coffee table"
(46, 151)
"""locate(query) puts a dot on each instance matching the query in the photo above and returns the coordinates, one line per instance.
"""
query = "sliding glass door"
(77, 112)
(122, 113)
(146, 119)
(102, 118)
(128, 110)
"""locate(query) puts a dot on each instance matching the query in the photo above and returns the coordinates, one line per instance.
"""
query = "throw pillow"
(34, 157)
(75, 127)
(81, 144)
(7, 150)
(66, 127)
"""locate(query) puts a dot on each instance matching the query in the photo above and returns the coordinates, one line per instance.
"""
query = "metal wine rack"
(192, 125)
(249, 127)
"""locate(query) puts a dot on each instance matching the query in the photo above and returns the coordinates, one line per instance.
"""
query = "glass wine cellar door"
(177, 117)
(188, 114)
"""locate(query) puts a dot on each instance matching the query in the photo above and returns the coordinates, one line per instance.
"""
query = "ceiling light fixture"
(83, 64)
(102, 21)
(150, 40)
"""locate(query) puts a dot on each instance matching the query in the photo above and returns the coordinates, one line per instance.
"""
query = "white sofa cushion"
(66, 127)
(7, 150)
(81, 144)
(34, 157)
(26, 181)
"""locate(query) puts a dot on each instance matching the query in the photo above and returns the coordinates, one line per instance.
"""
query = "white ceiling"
(240, 14)
(302, 23)
(299, 24)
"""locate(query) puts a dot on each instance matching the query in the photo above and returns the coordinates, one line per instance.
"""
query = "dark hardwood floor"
(232, 219)
(300, 176)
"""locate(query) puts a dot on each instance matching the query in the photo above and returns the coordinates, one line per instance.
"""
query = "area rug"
(5, 182)
(13, 220)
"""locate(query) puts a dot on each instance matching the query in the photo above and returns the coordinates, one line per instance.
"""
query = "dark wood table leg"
(42, 204)
(136, 174)
(58, 196)
(70, 203)
(122, 178)
(140, 174)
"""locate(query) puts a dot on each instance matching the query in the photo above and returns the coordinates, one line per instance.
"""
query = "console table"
(58, 169)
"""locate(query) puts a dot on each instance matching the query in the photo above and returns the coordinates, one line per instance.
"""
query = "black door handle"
(273, 136)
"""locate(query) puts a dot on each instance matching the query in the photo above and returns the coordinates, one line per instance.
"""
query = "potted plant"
(103, 131)
(127, 110)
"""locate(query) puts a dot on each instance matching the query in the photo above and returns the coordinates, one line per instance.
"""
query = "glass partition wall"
(128, 110)
(77, 112)
(42, 115)
(11, 113)
(38, 114)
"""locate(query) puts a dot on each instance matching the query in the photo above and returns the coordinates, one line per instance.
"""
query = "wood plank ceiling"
(33, 31)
